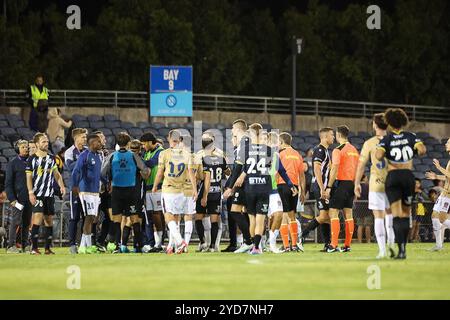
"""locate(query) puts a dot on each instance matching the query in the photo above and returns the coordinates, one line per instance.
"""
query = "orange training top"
(346, 157)
(293, 163)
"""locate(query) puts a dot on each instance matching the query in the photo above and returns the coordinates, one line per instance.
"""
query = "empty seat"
(427, 161)
(5, 145)
(427, 184)
(3, 159)
(157, 125)
(357, 140)
(206, 126)
(94, 118)
(97, 125)
(126, 125)
(106, 131)
(2, 117)
(4, 124)
(431, 141)
(116, 131)
(434, 154)
(417, 161)
(303, 133)
(163, 132)
(110, 142)
(110, 117)
(419, 175)
(13, 117)
(28, 135)
(422, 167)
(136, 132)
(112, 124)
(9, 153)
(364, 134)
(17, 124)
(143, 125)
(81, 124)
(423, 135)
(7, 131)
(78, 117)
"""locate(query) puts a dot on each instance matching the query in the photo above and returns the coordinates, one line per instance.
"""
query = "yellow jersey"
(197, 167)
(378, 169)
(176, 163)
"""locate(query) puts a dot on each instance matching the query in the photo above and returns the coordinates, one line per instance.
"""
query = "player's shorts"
(173, 203)
(45, 205)
(378, 201)
(90, 203)
(322, 204)
(239, 197)
(342, 195)
(105, 201)
(123, 201)
(289, 201)
(153, 201)
(400, 186)
(190, 205)
(212, 207)
(275, 204)
(76, 210)
(257, 202)
(442, 205)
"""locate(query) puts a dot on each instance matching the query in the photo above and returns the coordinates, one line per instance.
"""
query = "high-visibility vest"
(36, 95)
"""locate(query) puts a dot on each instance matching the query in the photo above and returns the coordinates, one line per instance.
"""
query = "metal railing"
(229, 103)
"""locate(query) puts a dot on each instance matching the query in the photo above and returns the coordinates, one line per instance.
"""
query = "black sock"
(125, 235)
(326, 232)
(34, 236)
(257, 240)
(48, 237)
(396, 224)
(214, 232)
(242, 222)
(117, 233)
(137, 230)
(200, 230)
(94, 234)
(311, 226)
(404, 227)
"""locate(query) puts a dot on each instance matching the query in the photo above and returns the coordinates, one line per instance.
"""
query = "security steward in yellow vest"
(38, 98)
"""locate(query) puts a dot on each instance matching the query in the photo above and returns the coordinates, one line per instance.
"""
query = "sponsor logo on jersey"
(257, 180)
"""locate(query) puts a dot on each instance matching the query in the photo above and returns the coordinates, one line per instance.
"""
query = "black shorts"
(342, 195)
(257, 203)
(239, 197)
(212, 207)
(123, 201)
(322, 204)
(105, 202)
(400, 186)
(287, 199)
(45, 205)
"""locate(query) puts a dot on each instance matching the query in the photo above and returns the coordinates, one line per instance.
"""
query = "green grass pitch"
(308, 275)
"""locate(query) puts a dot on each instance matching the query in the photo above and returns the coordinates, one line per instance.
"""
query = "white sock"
(389, 220)
(276, 232)
(83, 241)
(207, 226)
(158, 238)
(239, 239)
(175, 233)
(262, 242)
(188, 226)
(272, 239)
(380, 234)
(219, 235)
(299, 229)
(170, 244)
(437, 231)
(88, 240)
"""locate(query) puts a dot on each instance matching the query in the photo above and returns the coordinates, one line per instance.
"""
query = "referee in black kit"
(17, 193)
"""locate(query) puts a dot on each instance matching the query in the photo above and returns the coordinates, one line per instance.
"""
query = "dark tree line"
(235, 48)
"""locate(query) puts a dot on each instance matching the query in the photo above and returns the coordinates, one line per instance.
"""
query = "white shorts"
(189, 205)
(442, 205)
(378, 201)
(153, 201)
(174, 203)
(90, 203)
(275, 204)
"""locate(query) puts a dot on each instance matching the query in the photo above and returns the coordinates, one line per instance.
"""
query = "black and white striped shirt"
(42, 169)
(321, 154)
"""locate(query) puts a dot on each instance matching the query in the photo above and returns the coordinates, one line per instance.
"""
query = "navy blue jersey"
(399, 147)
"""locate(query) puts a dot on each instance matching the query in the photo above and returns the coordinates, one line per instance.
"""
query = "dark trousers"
(232, 227)
(20, 218)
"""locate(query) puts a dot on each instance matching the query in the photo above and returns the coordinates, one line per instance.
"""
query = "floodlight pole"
(296, 49)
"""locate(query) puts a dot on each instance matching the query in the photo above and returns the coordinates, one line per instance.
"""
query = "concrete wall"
(280, 121)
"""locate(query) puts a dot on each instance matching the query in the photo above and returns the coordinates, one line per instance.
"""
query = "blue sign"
(171, 91)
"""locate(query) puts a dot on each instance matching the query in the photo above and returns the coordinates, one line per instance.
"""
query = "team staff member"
(378, 201)
(41, 171)
(293, 163)
(70, 159)
(343, 170)
(121, 167)
(399, 148)
(322, 164)
(17, 194)
(38, 96)
(86, 186)
(153, 200)
(176, 167)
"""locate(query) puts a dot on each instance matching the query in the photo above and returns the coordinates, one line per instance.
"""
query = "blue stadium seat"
(116, 131)
(17, 123)
(112, 124)
(7, 131)
(423, 135)
(427, 184)
(427, 161)
(157, 125)
(420, 175)
(143, 125)
(422, 167)
(106, 131)
(267, 126)
(417, 161)
(13, 117)
(174, 125)
(81, 124)
(163, 132)
(110, 142)
(78, 117)
(303, 133)
(364, 135)
(312, 140)
(95, 125)
(5, 145)
(4, 124)
(3, 159)
(206, 126)
(434, 154)
(110, 117)
(9, 153)
(136, 132)
(126, 125)
(356, 140)
(2, 117)
(28, 135)
(94, 118)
